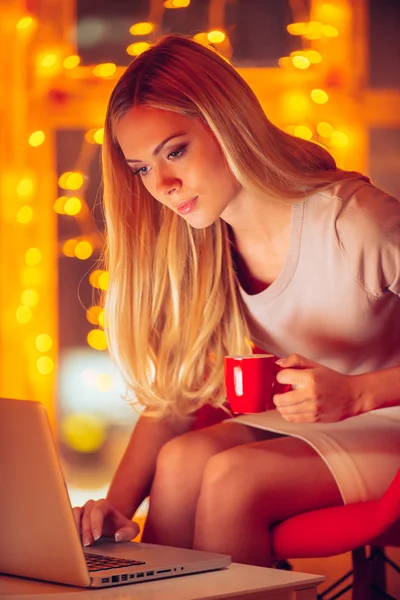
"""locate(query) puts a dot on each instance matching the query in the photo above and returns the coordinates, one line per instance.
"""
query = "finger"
(77, 512)
(296, 360)
(127, 533)
(97, 516)
(292, 376)
(86, 527)
(288, 398)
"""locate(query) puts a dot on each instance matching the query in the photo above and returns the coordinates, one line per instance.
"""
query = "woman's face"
(179, 162)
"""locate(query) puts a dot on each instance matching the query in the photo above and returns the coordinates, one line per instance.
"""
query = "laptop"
(38, 536)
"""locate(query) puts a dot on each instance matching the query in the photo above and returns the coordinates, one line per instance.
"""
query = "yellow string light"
(33, 257)
(83, 250)
(43, 342)
(313, 56)
(324, 129)
(59, 204)
(68, 248)
(339, 139)
(105, 70)
(104, 279)
(297, 28)
(300, 62)
(23, 314)
(25, 187)
(319, 96)
(96, 339)
(329, 31)
(304, 132)
(29, 298)
(26, 22)
(137, 48)
(45, 365)
(216, 36)
(70, 180)
(36, 138)
(92, 314)
(71, 62)
(25, 214)
(72, 206)
(48, 60)
(94, 277)
(313, 31)
(143, 28)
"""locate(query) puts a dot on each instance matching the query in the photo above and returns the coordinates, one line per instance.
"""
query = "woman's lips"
(184, 208)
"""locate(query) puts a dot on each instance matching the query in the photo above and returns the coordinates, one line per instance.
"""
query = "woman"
(224, 229)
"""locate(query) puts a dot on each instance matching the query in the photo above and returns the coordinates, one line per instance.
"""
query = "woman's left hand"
(319, 394)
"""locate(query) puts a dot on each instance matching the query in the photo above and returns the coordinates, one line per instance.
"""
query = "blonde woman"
(223, 229)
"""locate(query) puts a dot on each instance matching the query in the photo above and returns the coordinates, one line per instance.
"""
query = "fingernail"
(118, 537)
(96, 534)
(280, 361)
(86, 540)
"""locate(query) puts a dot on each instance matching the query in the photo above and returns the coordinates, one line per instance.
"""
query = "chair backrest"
(339, 529)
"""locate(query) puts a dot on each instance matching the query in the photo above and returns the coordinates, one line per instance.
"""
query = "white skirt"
(362, 452)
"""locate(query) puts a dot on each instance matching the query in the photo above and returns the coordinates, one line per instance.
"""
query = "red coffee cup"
(250, 382)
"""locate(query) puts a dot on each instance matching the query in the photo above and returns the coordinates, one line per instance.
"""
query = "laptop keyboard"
(99, 562)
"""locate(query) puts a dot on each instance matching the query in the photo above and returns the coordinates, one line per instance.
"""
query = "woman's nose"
(167, 183)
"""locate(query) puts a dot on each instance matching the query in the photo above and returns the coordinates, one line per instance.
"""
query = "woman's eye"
(177, 153)
(141, 171)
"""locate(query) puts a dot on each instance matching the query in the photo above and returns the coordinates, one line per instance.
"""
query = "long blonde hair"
(172, 307)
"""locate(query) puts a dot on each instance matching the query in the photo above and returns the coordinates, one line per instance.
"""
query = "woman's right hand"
(99, 517)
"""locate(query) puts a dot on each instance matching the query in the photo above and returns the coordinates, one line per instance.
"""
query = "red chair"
(349, 528)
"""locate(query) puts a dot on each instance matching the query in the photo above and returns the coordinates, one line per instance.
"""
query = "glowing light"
(324, 129)
(176, 3)
(68, 248)
(29, 298)
(314, 30)
(137, 48)
(105, 70)
(33, 257)
(92, 314)
(26, 22)
(49, 60)
(23, 314)
(319, 96)
(202, 38)
(285, 62)
(43, 342)
(70, 181)
(96, 338)
(83, 250)
(143, 28)
(339, 139)
(304, 132)
(104, 382)
(36, 138)
(98, 136)
(330, 12)
(329, 31)
(83, 432)
(313, 56)
(101, 318)
(104, 279)
(72, 206)
(58, 205)
(71, 62)
(216, 36)
(25, 214)
(94, 277)
(297, 28)
(30, 276)
(45, 365)
(296, 102)
(25, 187)
(300, 62)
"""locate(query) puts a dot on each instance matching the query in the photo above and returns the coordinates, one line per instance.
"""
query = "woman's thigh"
(279, 477)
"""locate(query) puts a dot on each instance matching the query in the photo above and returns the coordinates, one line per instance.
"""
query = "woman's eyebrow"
(158, 149)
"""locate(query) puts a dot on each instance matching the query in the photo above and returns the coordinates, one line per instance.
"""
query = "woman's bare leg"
(245, 490)
(178, 478)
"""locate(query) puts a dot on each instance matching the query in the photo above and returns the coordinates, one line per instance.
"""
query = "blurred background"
(325, 71)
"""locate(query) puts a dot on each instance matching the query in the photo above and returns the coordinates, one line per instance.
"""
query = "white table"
(238, 582)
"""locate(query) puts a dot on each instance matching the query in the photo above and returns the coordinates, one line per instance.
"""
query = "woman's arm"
(131, 484)
(133, 478)
(320, 394)
(377, 389)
